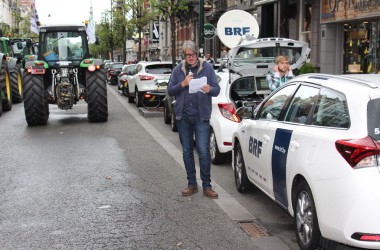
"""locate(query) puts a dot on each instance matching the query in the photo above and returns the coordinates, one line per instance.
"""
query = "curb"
(156, 112)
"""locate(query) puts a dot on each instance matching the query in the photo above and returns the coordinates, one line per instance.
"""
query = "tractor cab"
(63, 48)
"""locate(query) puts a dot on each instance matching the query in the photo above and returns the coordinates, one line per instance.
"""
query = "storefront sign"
(345, 10)
(209, 31)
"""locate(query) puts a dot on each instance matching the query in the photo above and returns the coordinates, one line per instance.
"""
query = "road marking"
(229, 204)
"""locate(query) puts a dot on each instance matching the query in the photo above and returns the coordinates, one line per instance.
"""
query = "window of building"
(361, 48)
(306, 22)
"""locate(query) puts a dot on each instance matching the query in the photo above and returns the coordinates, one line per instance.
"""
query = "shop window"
(306, 27)
(361, 48)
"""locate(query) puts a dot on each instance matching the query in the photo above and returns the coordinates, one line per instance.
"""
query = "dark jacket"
(204, 99)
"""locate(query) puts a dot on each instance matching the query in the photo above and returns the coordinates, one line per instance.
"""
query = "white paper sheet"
(196, 85)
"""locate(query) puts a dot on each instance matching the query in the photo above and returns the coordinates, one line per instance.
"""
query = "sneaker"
(210, 193)
(189, 190)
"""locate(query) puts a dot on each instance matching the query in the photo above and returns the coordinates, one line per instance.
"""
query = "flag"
(34, 20)
(90, 29)
(156, 35)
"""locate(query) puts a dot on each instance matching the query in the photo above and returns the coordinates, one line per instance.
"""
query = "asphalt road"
(117, 185)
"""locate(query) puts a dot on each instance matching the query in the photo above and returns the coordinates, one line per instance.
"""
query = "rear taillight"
(145, 77)
(147, 96)
(366, 237)
(91, 68)
(228, 111)
(359, 153)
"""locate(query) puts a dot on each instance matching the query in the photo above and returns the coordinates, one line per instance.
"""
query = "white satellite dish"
(235, 24)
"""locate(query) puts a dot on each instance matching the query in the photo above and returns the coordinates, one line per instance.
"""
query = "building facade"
(350, 35)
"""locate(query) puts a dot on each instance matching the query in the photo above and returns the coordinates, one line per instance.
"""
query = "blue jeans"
(187, 127)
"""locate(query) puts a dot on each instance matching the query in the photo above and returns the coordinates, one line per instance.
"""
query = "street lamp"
(201, 24)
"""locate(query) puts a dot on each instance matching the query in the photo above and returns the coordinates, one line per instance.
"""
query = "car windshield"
(265, 55)
(116, 66)
(63, 46)
(159, 69)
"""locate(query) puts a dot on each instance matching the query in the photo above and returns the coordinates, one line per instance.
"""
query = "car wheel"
(131, 97)
(167, 116)
(216, 156)
(242, 182)
(305, 218)
(173, 122)
(138, 98)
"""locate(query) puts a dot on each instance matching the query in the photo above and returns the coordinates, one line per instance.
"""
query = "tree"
(171, 10)
(142, 13)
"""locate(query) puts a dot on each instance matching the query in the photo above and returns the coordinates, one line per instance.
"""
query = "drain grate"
(253, 229)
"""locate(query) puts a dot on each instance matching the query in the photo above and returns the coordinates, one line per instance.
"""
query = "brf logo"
(236, 31)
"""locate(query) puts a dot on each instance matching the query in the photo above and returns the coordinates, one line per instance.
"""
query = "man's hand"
(275, 68)
(187, 80)
(206, 88)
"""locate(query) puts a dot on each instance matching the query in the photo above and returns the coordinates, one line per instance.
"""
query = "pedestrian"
(193, 112)
(209, 58)
(280, 74)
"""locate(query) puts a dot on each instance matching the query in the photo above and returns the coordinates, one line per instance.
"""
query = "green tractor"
(63, 74)
(25, 48)
(10, 76)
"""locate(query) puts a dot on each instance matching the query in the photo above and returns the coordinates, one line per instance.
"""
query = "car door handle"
(294, 145)
(266, 138)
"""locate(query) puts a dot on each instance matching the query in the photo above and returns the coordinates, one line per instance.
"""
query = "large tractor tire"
(97, 106)
(6, 96)
(16, 85)
(35, 101)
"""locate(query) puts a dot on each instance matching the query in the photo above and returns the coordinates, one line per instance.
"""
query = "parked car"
(113, 72)
(106, 64)
(123, 78)
(146, 77)
(312, 146)
(169, 113)
(245, 85)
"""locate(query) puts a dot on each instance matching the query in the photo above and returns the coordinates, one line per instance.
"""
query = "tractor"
(25, 48)
(63, 74)
(10, 76)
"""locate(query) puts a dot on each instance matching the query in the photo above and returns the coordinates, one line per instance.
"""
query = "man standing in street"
(209, 59)
(281, 73)
(193, 112)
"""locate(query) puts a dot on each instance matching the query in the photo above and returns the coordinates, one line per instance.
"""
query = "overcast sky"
(70, 11)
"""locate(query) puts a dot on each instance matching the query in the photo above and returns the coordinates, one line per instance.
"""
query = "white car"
(146, 77)
(124, 77)
(244, 83)
(313, 147)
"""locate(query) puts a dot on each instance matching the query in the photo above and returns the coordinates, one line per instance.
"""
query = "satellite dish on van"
(235, 24)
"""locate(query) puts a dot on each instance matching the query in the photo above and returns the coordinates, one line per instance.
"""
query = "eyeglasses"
(190, 55)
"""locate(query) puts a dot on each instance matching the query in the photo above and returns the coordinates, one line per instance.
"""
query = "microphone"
(188, 67)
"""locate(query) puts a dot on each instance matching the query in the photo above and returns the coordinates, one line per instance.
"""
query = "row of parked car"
(136, 80)
(312, 145)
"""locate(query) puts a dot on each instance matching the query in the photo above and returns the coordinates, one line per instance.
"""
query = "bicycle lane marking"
(229, 204)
